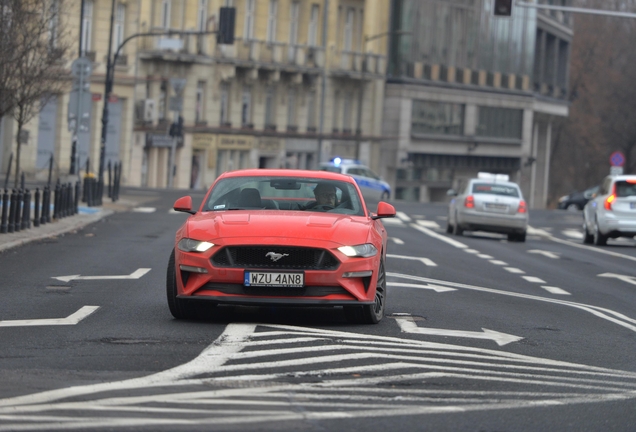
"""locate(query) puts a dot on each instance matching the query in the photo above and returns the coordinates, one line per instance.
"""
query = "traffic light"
(227, 19)
(503, 7)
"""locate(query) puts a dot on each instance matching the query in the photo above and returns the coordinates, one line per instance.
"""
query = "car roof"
(491, 181)
(623, 177)
(263, 172)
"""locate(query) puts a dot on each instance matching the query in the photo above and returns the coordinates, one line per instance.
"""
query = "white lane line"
(144, 209)
(533, 279)
(441, 237)
(572, 233)
(600, 312)
(436, 288)
(403, 216)
(514, 270)
(428, 224)
(544, 253)
(396, 240)
(72, 319)
(580, 246)
(485, 256)
(624, 278)
(426, 261)
(498, 262)
(555, 290)
(471, 251)
(392, 221)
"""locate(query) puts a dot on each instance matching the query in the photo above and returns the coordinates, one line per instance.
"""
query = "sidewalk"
(86, 216)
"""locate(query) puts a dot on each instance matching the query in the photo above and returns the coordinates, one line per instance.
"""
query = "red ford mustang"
(280, 237)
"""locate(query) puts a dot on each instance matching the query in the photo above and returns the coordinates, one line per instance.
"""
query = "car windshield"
(625, 188)
(495, 189)
(283, 193)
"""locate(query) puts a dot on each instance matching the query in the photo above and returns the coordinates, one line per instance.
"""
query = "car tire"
(457, 230)
(385, 196)
(373, 313)
(449, 228)
(179, 308)
(587, 237)
(599, 238)
(521, 237)
(572, 207)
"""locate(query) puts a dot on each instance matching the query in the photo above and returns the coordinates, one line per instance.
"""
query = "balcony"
(357, 63)
(275, 55)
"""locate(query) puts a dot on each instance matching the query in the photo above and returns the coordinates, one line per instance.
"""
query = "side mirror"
(184, 204)
(451, 192)
(385, 210)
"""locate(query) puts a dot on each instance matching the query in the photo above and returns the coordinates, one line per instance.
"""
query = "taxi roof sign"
(494, 177)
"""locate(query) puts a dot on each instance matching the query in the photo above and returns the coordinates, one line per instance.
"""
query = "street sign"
(616, 170)
(175, 103)
(81, 67)
(617, 159)
(178, 84)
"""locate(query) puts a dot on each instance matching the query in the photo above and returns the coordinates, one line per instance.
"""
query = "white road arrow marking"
(72, 319)
(403, 216)
(397, 240)
(573, 234)
(428, 224)
(436, 288)
(624, 278)
(407, 324)
(144, 209)
(545, 253)
(426, 261)
(134, 275)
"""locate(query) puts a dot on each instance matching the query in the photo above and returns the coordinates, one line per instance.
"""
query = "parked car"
(490, 203)
(576, 200)
(260, 237)
(373, 188)
(611, 213)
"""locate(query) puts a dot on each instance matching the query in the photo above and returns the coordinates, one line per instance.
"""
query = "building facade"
(289, 93)
(468, 91)
(302, 83)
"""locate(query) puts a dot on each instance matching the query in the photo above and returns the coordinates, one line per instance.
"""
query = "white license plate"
(496, 207)
(274, 279)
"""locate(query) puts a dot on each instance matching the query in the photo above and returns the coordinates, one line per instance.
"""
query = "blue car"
(373, 188)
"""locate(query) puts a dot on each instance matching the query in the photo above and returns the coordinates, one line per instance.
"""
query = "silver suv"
(611, 213)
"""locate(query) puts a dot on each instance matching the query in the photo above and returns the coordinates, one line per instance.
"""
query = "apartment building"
(302, 83)
(468, 91)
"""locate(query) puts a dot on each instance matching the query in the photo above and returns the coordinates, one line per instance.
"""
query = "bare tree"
(32, 69)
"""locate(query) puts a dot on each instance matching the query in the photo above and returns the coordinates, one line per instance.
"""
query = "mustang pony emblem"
(275, 256)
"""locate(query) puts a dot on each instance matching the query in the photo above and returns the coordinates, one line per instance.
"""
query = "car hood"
(336, 228)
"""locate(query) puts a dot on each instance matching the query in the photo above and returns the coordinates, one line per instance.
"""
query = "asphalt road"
(481, 335)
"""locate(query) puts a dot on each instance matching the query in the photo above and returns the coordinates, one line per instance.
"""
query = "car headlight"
(191, 245)
(564, 198)
(364, 250)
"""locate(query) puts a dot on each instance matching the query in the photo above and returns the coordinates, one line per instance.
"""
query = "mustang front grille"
(275, 257)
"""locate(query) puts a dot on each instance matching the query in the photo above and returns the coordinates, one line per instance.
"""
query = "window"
(499, 122)
(348, 29)
(225, 103)
(271, 20)
(165, 14)
(312, 36)
(311, 110)
(291, 107)
(248, 30)
(346, 112)
(163, 99)
(119, 30)
(294, 13)
(437, 118)
(246, 106)
(54, 22)
(87, 26)
(202, 17)
(270, 107)
(199, 115)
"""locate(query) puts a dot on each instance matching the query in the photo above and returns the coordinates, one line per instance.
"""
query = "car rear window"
(625, 188)
(495, 189)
